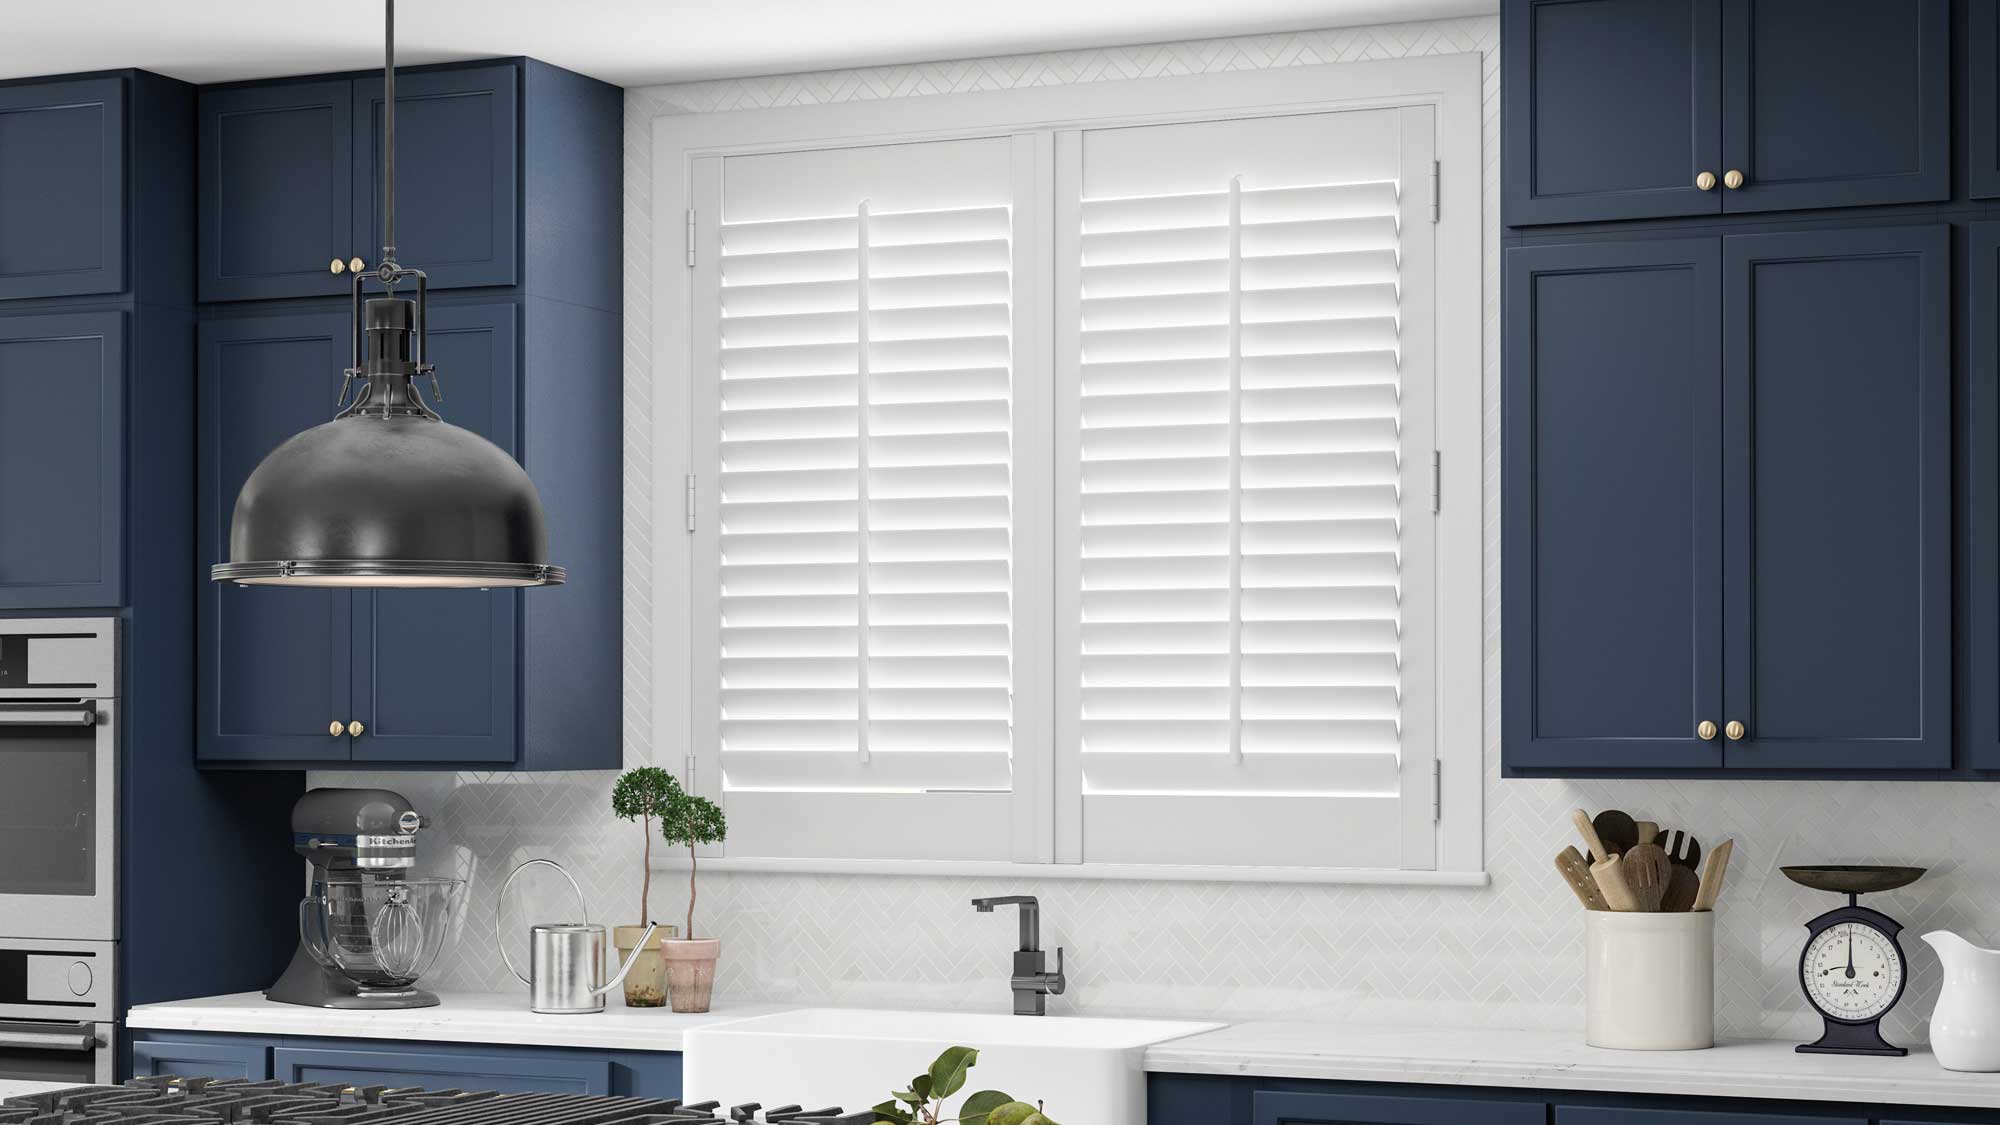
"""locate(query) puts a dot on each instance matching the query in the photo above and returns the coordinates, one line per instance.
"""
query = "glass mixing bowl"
(380, 933)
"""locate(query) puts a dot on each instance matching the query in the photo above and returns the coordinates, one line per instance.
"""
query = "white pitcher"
(1965, 1025)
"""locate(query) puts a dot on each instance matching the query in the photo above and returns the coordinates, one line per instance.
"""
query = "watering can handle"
(629, 961)
(500, 903)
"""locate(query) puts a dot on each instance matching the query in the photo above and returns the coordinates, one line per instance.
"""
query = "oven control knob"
(80, 978)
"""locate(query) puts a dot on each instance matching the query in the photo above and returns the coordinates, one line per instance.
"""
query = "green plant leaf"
(891, 1112)
(919, 1093)
(948, 1072)
(978, 1105)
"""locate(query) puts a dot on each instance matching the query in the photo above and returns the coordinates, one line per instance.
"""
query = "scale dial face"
(1852, 971)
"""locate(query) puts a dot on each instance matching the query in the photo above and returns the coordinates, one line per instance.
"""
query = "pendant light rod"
(389, 134)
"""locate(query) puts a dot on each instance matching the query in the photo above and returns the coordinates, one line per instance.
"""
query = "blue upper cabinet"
(291, 181)
(1612, 496)
(1611, 108)
(434, 669)
(62, 188)
(1982, 93)
(1835, 103)
(1727, 501)
(455, 173)
(1837, 486)
(274, 668)
(1625, 109)
(62, 460)
(276, 188)
(1982, 501)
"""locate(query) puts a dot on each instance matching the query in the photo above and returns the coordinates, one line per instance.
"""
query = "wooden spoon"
(1682, 848)
(1683, 887)
(1646, 869)
(1617, 829)
(1649, 832)
(1576, 872)
(1711, 876)
(1590, 837)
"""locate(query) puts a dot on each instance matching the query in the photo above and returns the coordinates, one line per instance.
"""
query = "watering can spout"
(619, 977)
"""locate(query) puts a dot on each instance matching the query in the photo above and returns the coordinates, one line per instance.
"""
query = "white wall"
(1506, 955)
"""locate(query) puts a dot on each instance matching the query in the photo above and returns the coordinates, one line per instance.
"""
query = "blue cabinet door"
(1679, 1115)
(456, 173)
(274, 663)
(1611, 108)
(1982, 500)
(1612, 518)
(508, 1072)
(62, 467)
(276, 181)
(62, 188)
(434, 670)
(1982, 98)
(1836, 103)
(1275, 1108)
(235, 1057)
(1837, 479)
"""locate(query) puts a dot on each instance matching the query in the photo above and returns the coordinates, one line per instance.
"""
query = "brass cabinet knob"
(1705, 181)
(1705, 731)
(1732, 179)
(334, 728)
(355, 728)
(356, 265)
(1734, 730)
(338, 266)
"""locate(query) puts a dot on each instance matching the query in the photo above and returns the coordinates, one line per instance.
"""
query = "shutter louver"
(866, 502)
(1240, 509)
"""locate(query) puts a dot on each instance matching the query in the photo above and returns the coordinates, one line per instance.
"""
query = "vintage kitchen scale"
(1852, 969)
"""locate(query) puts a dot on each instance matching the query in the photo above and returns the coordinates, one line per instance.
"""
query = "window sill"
(1163, 873)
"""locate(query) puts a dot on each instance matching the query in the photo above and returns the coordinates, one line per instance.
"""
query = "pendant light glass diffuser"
(388, 493)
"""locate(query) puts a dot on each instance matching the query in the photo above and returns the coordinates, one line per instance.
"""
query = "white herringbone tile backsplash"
(1508, 955)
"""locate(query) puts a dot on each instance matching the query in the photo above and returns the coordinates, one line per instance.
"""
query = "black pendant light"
(388, 493)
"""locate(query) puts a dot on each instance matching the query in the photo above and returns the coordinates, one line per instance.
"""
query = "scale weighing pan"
(1852, 879)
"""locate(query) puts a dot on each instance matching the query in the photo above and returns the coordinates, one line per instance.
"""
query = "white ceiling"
(629, 42)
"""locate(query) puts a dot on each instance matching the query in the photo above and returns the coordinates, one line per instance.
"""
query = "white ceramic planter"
(1649, 980)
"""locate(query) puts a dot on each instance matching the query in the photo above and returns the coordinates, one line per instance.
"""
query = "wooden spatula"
(1649, 832)
(1711, 876)
(1617, 829)
(1646, 870)
(1576, 872)
(1683, 886)
(1681, 848)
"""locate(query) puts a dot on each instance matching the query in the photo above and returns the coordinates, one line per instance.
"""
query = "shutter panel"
(864, 541)
(1239, 552)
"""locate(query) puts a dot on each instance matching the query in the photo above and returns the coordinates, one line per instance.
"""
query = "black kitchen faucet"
(1032, 982)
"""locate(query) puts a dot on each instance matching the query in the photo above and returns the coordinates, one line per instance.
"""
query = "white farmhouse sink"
(1086, 1070)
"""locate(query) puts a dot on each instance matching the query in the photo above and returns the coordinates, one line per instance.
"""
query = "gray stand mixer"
(367, 928)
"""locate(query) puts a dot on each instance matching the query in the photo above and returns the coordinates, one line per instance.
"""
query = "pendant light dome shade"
(396, 500)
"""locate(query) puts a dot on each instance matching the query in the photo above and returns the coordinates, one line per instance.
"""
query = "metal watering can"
(565, 959)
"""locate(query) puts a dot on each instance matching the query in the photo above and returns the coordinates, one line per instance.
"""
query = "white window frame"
(1449, 83)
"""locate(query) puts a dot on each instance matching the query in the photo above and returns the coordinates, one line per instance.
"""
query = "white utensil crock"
(1965, 1025)
(1649, 980)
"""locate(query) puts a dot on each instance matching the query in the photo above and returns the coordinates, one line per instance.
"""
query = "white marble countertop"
(463, 1017)
(1549, 1060)
(14, 1087)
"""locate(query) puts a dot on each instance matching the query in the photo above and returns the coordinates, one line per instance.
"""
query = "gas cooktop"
(223, 1101)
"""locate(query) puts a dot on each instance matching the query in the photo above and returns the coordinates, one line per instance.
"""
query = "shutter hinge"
(1437, 168)
(690, 222)
(1437, 789)
(690, 775)
(1437, 482)
(688, 506)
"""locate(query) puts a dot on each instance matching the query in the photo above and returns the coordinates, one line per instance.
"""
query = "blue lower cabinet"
(1676, 1115)
(1292, 1108)
(509, 1072)
(224, 1057)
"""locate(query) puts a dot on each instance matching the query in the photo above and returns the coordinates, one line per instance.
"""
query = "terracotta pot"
(646, 984)
(691, 971)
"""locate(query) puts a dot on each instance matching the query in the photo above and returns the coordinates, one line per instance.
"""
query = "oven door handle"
(50, 1037)
(43, 715)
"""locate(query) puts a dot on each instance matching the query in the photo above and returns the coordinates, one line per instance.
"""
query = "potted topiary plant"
(642, 794)
(687, 820)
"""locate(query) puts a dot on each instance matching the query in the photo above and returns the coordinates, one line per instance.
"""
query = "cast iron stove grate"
(165, 1100)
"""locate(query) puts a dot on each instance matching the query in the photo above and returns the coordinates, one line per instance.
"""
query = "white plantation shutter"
(1243, 540)
(857, 444)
